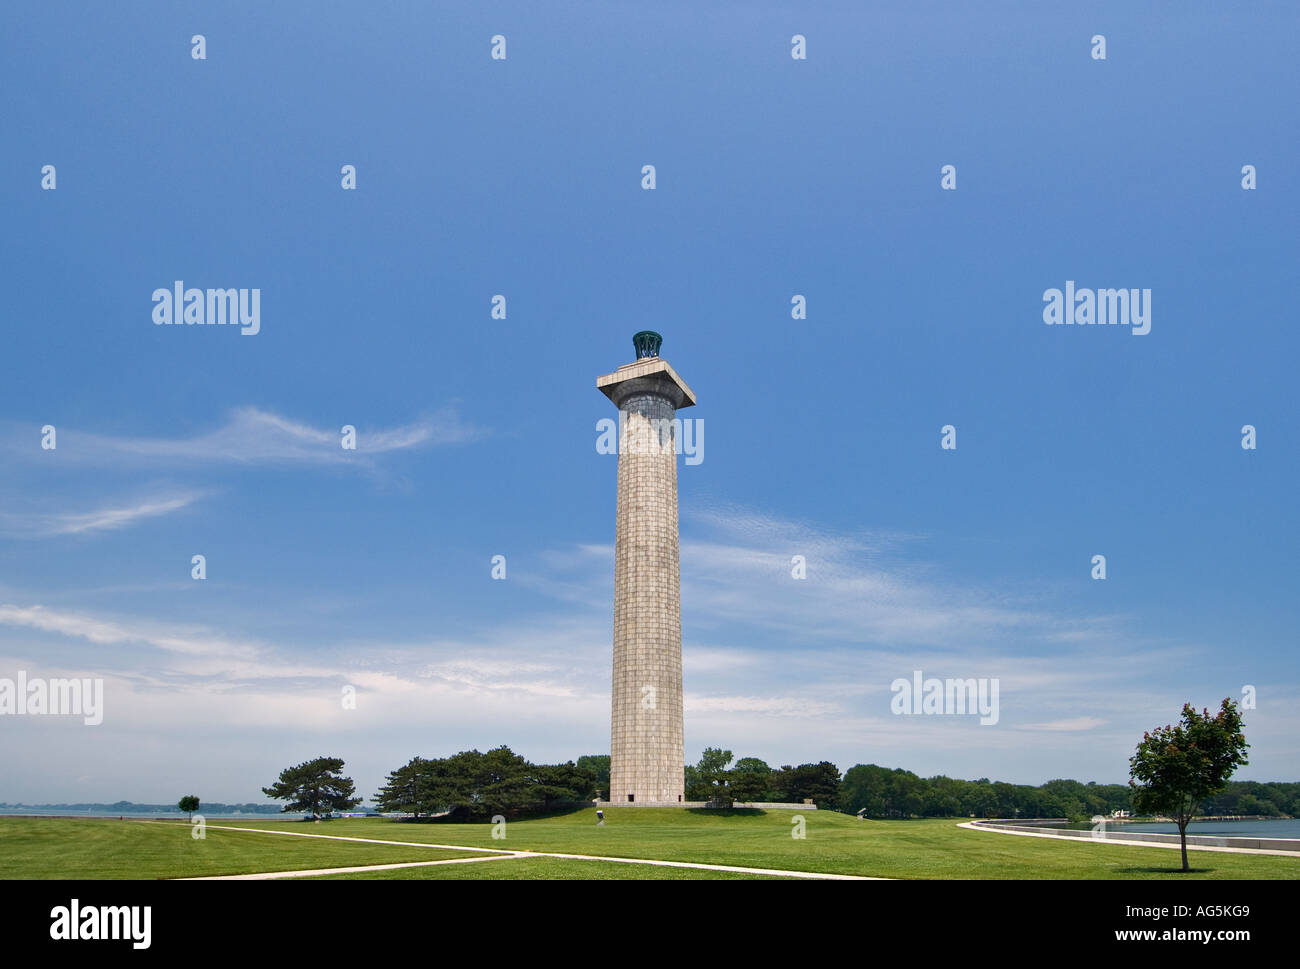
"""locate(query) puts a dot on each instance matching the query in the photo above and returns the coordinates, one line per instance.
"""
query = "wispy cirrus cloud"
(789, 670)
(1067, 726)
(101, 631)
(107, 517)
(508, 661)
(249, 436)
(867, 589)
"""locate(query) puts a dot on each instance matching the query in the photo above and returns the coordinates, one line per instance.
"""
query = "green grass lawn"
(103, 848)
(929, 848)
(74, 848)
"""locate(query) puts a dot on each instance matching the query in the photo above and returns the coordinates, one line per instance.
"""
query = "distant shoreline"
(138, 814)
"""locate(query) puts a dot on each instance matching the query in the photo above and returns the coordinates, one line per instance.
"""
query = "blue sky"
(476, 436)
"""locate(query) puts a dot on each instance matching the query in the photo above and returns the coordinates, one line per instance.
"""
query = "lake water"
(1275, 828)
(137, 815)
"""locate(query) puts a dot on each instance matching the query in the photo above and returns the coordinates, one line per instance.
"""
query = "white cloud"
(783, 669)
(764, 706)
(173, 639)
(1071, 725)
(858, 589)
(254, 436)
(40, 524)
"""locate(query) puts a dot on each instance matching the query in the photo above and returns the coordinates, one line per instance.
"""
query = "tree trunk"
(1182, 836)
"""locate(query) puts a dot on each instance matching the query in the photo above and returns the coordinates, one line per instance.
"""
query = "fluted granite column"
(647, 734)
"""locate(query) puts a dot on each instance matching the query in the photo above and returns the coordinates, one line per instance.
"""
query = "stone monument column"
(647, 748)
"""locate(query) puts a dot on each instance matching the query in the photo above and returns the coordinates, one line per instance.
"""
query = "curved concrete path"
(308, 872)
(972, 826)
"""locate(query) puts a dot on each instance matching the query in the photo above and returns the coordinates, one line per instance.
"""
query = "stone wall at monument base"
(745, 805)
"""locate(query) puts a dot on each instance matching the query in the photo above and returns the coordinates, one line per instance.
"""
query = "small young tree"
(313, 786)
(1176, 768)
(189, 803)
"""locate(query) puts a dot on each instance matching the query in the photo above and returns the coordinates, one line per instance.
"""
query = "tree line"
(1179, 771)
(1176, 771)
(472, 784)
(882, 792)
(468, 785)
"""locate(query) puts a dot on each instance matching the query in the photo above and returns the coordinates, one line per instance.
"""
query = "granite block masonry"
(647, 747)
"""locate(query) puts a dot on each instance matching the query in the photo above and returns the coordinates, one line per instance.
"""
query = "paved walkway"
(493, 854)
(1126, 841)
(308, 872)
(339, 837)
